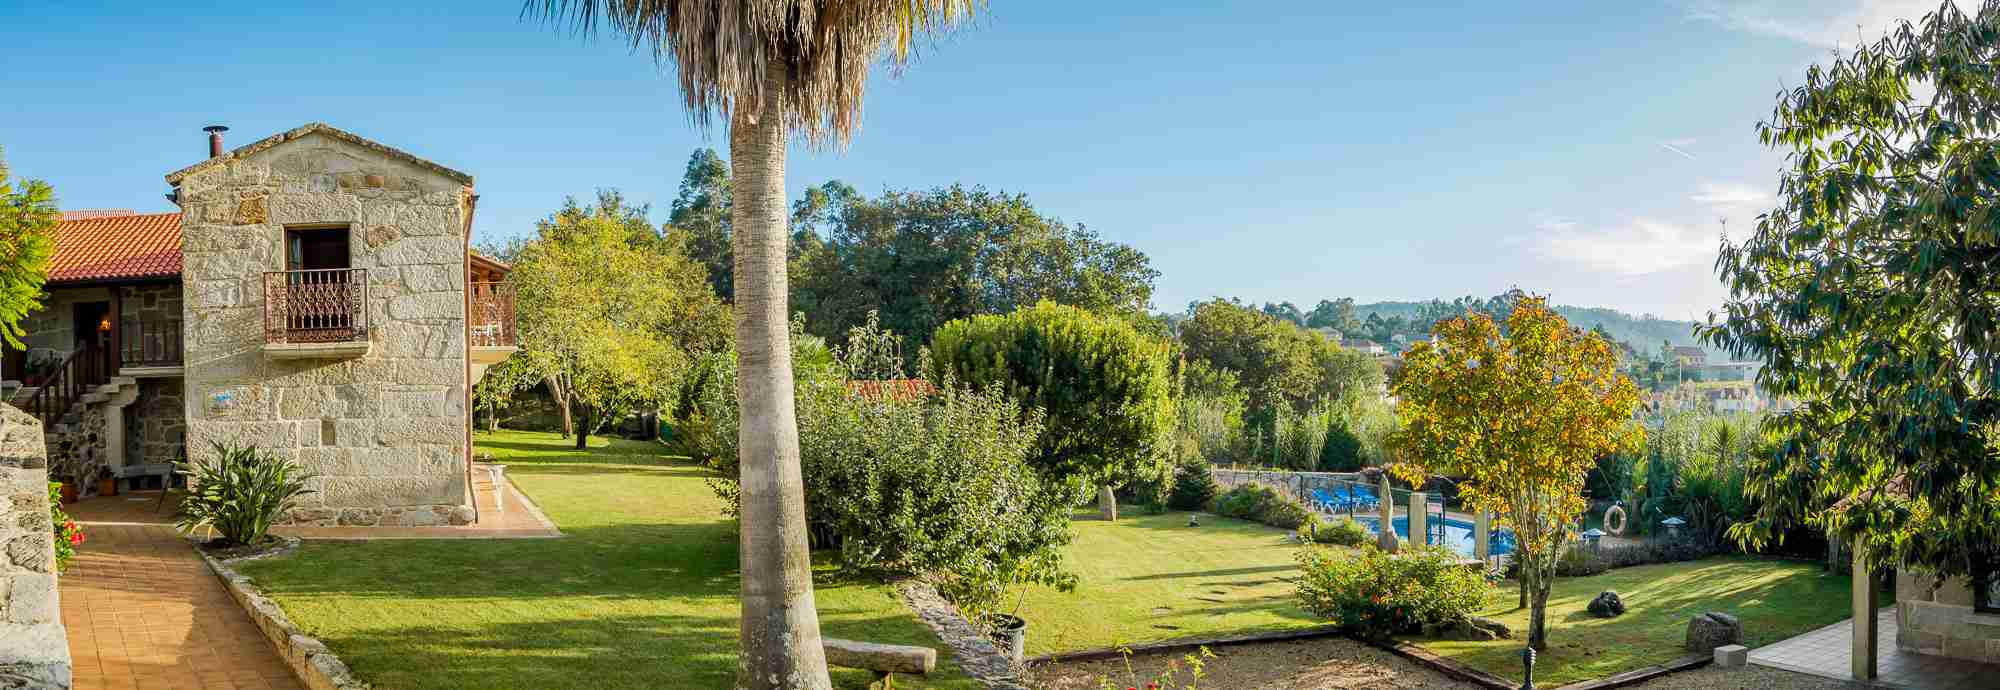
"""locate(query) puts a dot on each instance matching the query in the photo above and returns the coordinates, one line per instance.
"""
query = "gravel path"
(1334, 663)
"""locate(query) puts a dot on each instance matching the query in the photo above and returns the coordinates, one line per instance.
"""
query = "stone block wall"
(1298, 485)
(34, 649)
(50, 335)
(1934, 617)
(156, 422)
(386, 431)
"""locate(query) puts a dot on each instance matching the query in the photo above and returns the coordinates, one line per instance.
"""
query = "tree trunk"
(493, 417)
(583, 428)
(779, 629)
(1107, 503)
(1538, 617)
(562, 403)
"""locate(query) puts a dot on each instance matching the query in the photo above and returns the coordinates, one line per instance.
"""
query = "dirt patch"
(1316, 664)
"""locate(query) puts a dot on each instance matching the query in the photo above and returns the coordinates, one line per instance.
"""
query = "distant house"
(1689, 356)
(1730, 371)
(1368, 346)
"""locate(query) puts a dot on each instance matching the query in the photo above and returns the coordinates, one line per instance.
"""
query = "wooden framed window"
(313, 249)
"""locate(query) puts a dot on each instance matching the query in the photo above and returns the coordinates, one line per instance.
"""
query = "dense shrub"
(1342, 452)
(940, 487)
(239, 492)
(1343, 531)
(1582, 561)
(1375, 594)
(1260, 503)
(1194, 486)
(1107, 389)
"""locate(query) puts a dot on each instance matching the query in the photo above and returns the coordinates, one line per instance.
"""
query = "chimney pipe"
(215, 139)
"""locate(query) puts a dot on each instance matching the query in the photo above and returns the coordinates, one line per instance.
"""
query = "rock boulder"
(1607, 605)
(1713, 629)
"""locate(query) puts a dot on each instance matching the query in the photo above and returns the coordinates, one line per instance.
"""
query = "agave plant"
(239, 492)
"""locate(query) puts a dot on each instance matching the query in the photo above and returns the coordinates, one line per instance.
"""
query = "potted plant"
(68, 490)
(107, 483)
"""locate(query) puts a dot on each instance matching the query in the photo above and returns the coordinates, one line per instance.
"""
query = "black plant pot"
(1010, 633)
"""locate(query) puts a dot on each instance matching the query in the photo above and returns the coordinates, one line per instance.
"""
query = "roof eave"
(175, 177)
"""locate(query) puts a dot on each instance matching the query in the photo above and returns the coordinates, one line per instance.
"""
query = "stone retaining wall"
(34, 649)
(1298, 485)
(1937, 618)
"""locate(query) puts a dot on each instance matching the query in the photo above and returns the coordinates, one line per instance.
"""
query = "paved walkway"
(504, 514)
(144, 612)
(1828, 652)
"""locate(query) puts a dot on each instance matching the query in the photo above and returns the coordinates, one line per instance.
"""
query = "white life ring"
(1614, 520)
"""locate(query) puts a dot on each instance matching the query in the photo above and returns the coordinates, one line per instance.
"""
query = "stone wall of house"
(156, 422)
(34, 651)
(1934, 617)
(386, 431)
(76, 449)
(50, 335)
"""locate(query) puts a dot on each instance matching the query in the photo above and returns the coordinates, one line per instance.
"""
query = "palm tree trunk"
(780, 626)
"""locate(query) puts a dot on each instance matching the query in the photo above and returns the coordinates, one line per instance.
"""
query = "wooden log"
(885, 658)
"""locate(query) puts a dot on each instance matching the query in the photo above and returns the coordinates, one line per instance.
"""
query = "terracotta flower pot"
(107, 487)
(68, 492)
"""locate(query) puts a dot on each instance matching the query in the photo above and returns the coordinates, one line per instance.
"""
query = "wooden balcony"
(320, 313)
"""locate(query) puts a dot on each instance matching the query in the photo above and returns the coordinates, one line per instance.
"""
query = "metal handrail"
(324, 305)
(491, 316)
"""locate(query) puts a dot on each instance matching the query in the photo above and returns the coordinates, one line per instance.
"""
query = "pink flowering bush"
(68, 534)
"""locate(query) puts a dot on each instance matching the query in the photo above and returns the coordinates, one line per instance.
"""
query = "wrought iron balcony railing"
(316, 306)
(491, 315)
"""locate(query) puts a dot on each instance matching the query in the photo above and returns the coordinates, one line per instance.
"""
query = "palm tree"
(770, 67)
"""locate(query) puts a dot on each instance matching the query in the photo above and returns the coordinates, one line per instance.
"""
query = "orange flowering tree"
(1522, 413)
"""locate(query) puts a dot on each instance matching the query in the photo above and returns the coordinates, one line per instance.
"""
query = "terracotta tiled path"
(144, 612)
(504, 513)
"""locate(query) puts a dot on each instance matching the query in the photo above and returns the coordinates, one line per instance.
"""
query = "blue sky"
(1269, 151)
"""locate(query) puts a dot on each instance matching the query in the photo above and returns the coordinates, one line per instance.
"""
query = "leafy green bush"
(1375, 594)
(1194, 486)
(1342, 532)
(239, 492)
(1106, 388)
(941, 487)
(1259, 503)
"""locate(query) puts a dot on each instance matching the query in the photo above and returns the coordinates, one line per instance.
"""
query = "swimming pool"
(1454, 533)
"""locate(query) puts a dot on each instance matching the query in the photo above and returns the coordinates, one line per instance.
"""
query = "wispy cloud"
(1729, 195)
(1635, 246)
(1819, 23)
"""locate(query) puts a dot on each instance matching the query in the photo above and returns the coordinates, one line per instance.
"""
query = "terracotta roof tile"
(124, 247)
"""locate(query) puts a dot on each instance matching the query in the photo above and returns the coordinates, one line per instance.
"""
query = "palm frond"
(721, 50)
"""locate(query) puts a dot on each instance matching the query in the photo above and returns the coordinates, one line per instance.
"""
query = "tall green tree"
(1107, 390)
(923, 258)
(609, 325)
(1335, 314)
(770, 68)
(701, 213)
(1277, 362)
(1868, 293)
(28, 219)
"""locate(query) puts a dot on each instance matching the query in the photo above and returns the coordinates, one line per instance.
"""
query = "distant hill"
(1643, 332)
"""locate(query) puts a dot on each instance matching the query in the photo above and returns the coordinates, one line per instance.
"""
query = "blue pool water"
(1456, 534)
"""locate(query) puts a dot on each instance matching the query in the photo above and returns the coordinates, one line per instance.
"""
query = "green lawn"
(1148, 578)
(641, 593)
(1775, 599)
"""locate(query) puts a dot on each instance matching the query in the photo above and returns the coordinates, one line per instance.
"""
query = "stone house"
(315, 296)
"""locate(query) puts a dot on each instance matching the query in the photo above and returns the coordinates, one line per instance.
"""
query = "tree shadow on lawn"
(608, 652)
(1653, 628)
(1219, 573)
(618, 452)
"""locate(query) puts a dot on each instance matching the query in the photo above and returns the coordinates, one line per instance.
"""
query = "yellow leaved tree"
(1521, 413)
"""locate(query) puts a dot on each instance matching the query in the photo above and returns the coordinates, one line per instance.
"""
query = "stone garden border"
(975, 654)
(310, 660)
